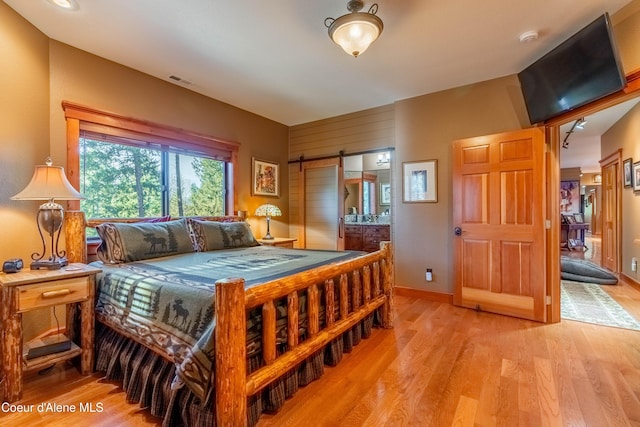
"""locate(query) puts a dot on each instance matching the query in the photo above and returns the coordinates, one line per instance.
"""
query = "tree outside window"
(125, 181)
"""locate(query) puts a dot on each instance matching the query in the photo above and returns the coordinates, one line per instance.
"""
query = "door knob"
(457, 231)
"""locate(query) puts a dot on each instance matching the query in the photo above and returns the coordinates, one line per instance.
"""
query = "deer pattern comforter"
(168, 303)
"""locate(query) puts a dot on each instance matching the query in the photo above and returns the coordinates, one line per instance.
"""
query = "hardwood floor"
(593, 250)
(440, 366)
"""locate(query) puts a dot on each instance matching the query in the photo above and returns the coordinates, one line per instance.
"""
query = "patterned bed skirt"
(146, 377)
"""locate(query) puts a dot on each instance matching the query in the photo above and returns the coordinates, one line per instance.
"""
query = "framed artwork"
(627, 177)
(420, 181)
(636, 177)
(265, 179)
(578, 217)
(569, 197)
(385, 193)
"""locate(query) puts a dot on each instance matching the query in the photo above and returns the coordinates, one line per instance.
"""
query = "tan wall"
(626, 27)
(24, 128)
(426, 126)
(37, 74)
(86, 79)
(625, 135)
(24, 136)
(420, 128)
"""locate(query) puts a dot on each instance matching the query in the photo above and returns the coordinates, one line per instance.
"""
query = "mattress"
(167, 303)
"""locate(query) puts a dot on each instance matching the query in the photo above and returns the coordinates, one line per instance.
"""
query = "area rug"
(587, 302)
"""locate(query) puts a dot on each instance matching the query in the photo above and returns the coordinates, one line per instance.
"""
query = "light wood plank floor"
(440, 366)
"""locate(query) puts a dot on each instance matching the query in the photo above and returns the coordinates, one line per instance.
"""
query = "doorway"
(602, 190)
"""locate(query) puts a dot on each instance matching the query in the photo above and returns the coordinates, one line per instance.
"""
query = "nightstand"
(283, 242)
(32, 289)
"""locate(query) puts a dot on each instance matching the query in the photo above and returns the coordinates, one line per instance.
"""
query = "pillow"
(211, 235)
(159, 219)
(122, 242)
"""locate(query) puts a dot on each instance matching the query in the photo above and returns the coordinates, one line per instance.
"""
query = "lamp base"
(49, 265)
(268, 237)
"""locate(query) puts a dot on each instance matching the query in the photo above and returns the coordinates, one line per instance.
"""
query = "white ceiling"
(274, 58)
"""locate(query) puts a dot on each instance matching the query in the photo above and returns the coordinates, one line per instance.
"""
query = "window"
(128, 168)
(124, 180)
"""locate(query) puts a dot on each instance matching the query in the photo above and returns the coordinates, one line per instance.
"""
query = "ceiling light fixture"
(65, 4)
(355, 31)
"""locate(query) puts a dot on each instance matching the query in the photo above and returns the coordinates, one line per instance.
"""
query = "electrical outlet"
(429, 275)
(634, 264)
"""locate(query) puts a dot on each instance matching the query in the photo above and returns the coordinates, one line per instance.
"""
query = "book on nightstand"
(47, 345)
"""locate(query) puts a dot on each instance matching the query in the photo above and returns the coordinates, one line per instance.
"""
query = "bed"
(236, 327)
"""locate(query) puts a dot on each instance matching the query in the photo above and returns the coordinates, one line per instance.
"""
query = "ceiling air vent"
(180, 80)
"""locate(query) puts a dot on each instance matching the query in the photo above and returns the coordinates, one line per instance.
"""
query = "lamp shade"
(268, 210)
(48, 182)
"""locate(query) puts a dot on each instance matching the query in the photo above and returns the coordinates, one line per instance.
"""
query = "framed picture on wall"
(636, 177)
(420, 181)
(385, 193)
(627, 176)
(569, 197)
(265, 179)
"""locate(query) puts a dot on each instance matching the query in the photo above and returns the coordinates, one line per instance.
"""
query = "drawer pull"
(55, 294)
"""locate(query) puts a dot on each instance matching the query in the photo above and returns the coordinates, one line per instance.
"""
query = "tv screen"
(582, 69)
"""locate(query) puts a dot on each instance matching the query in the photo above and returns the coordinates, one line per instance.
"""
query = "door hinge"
(547, 224)
(547, 300)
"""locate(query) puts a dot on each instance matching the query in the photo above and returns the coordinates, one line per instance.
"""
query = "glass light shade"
(65, 4)
(268, 210)
(354, 32)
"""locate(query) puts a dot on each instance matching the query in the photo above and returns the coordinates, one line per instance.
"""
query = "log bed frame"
(372, 282)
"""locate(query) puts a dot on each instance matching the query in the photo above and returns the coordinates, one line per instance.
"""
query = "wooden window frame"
(81, 118)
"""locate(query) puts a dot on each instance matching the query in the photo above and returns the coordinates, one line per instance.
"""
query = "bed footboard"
(371, 288)
(351, 290)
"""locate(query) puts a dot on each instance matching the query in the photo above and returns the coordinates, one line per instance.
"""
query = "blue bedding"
(168, 303)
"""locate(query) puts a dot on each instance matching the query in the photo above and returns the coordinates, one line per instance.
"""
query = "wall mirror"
(367, 182)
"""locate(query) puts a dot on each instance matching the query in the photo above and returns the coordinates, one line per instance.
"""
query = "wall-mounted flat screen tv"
(582, 69)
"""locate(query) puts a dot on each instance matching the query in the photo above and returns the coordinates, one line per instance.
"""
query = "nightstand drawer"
(48, 294)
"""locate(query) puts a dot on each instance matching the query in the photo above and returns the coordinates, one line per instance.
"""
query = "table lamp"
(49, 183)
(268, 210)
